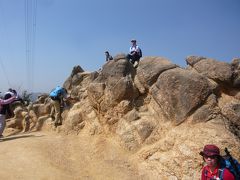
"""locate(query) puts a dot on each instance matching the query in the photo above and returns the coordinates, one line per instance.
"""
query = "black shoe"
(57, 124)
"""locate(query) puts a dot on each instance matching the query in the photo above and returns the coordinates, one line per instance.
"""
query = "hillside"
(148, 122)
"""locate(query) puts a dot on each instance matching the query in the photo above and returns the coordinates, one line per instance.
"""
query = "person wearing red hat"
(212, 170)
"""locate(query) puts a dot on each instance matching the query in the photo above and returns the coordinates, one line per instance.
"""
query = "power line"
(5, 72)
(1, 62)
(30, 38)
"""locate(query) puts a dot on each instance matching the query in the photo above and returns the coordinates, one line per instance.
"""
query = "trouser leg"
(26, 123)
(56, 105)
(52, 113)
(2, 123)
(129, 57)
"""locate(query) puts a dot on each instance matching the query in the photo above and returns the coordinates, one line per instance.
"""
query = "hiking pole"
(232, 163)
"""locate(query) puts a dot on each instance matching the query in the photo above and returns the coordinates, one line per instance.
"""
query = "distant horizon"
(41, 41)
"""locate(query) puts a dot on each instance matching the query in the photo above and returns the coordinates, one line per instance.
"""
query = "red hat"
(210, 150)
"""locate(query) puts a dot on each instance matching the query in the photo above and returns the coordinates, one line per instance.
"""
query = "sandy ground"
(50, 156)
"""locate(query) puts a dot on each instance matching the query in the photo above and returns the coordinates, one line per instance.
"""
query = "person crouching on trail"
(6, 107)
(212, 170)
(57, 95)
(3, 112)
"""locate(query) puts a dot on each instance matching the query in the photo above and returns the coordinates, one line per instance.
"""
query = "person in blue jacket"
(57, 95)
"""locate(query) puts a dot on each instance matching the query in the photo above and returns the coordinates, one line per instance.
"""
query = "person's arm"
(138, 50)
(7, 101)
(130, 50)
(135, 50)
(203, 177)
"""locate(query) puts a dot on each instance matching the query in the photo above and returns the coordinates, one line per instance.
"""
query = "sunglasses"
(211, 157)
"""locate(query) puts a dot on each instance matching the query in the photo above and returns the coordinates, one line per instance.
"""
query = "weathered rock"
(236, 72)
(76, 70)
(114, 84)
(178, 92)
(150, 68)
(138, 109)
(208, 111)
(220, 72)
(191, 60)
(232, 112)
(74, 121)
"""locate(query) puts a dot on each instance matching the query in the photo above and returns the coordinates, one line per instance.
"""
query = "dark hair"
(14, 91)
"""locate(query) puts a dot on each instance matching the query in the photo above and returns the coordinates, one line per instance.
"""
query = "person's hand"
(134, 52)
(16, 96)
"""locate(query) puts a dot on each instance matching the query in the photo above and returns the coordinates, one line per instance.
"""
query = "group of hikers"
(58, 96)
(134, 55)
(216, 167)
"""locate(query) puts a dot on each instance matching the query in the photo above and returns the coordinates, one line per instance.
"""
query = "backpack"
(140, 52)
(231, 164)
(56, 92)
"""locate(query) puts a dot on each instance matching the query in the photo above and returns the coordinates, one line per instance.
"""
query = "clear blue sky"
(77, 32)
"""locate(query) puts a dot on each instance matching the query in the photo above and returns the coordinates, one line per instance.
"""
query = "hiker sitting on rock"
(108, 56)
(135, 53)
(57, 95)
(212, 170)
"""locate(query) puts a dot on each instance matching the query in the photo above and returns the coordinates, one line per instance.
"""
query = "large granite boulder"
(220, 72)
(150, 68)
(179, 92)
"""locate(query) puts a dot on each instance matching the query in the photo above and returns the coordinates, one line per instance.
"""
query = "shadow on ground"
(13, 137)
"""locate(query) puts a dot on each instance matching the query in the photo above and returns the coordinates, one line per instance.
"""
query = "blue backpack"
(231, 164)
(57, 92)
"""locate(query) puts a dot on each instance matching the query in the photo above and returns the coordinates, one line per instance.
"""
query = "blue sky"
(77, 32)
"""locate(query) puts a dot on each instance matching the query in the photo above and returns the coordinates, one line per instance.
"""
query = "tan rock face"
(178, 92)
(220, 72)
(160, 113)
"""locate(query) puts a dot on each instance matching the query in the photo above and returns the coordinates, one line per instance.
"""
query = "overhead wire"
(34, 21)
(5, 72)
(30, 38)
(1, 59)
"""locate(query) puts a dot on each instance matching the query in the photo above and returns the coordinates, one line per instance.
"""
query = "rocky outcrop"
(150, 68)
(217, 71)
(236, 72)
(113, 85)
(161, 113)
(179, 92)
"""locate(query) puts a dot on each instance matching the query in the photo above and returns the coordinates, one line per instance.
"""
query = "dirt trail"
(47, 156)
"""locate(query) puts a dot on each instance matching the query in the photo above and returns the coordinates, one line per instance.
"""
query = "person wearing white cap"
(135, 53)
